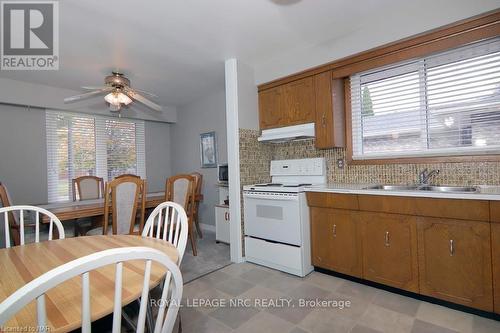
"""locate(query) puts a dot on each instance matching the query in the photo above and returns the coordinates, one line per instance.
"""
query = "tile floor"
(371, 310)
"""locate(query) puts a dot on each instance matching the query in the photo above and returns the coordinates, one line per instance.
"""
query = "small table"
(21, 264)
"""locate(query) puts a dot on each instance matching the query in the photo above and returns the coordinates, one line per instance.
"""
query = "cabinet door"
(329, 111)
(271, 108)
(390, 249)
(335, 241)
(298, 99)
(495, 243)
(222, 229)
(455, 261)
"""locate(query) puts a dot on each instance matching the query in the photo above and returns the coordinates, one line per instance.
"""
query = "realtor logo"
(30, 35)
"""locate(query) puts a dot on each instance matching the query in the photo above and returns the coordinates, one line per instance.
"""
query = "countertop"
(486, 192)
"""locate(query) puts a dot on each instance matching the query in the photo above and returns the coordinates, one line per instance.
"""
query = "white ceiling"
(176, 48)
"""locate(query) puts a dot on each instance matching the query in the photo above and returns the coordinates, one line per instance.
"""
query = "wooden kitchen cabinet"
(455, 261)
(287, 105)
(271, 108)
(329, 111)
(335, 241)
(390, 249)
(298, 102)
(495, 250)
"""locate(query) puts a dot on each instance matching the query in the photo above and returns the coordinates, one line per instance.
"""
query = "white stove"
(277, 217)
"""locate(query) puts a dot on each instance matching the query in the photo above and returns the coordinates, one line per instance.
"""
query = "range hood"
(288, 133)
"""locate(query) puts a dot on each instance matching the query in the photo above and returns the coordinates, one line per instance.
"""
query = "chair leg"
(149, 316)
(197, 225)
(192, 238)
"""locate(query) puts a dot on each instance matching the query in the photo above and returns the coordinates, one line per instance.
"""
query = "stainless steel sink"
(392, 187)
(453, 189)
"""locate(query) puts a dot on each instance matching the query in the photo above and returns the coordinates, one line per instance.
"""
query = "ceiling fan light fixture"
(117, 98)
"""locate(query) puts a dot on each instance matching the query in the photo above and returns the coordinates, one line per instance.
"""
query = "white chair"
(169, 222)
(37, 288)
(21, 211)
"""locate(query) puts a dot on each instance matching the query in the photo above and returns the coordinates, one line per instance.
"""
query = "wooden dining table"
(70, 210)
(21, 264)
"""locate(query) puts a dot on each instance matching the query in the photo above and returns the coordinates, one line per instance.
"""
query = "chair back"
(180, 189)
(37, 288)
(38, 212)
(88, 187)
(124, 195)
(169, 222)
(6, 201)
(127, 175)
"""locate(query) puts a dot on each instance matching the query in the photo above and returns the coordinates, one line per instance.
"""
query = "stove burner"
(297, 185)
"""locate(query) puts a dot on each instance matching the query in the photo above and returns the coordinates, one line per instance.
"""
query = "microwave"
(223, 173)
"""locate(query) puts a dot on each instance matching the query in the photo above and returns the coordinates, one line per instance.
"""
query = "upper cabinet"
(288, 104)
(271, 108)
(317, 99)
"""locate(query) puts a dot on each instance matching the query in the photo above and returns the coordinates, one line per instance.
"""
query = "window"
(79, 145)
(444, 104)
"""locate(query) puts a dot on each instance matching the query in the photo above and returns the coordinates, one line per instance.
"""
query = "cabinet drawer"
(332, 200)
(477, 210)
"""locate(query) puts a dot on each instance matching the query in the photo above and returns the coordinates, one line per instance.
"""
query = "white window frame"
(420, 65)
(100, 149)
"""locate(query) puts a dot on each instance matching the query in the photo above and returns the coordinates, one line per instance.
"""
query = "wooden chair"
(127, 175)
(123, 195)
(169, 222)
(6, 201)
(87, 188)
(37, 288)
(198, 197)
(180, 189)
(5, 212)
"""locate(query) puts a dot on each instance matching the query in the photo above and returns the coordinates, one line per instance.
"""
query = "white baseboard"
(207, 227)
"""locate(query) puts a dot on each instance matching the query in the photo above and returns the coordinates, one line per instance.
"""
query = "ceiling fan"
(118, 93)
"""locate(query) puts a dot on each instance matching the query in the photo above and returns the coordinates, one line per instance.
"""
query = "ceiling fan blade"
(146, 93)
(87, 95)
(94, 87)
(134, 95)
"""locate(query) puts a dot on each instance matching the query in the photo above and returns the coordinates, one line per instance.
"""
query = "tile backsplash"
(255, 158)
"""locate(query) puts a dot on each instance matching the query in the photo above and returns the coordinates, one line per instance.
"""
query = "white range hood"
(288, 133)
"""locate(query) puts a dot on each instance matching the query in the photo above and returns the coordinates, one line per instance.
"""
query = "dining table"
(21, 264)
(70, 210)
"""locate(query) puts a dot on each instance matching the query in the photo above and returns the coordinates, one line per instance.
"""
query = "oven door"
(272, 216)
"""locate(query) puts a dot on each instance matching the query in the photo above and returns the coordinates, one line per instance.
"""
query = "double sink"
(430, 188)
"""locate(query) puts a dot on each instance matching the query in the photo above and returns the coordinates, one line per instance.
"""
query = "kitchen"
(407, 185)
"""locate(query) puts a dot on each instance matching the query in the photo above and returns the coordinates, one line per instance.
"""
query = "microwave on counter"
(222, 171)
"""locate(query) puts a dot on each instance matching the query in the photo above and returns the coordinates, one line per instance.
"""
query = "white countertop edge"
(418, 194)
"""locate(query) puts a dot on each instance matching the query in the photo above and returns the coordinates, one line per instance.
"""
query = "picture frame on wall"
(208, 150)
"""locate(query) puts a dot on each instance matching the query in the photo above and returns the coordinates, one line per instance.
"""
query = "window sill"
(422, 160)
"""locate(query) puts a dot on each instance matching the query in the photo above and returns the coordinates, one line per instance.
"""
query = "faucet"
(425, 175)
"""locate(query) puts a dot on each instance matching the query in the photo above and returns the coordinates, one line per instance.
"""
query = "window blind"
(79, 145)
(444, 104)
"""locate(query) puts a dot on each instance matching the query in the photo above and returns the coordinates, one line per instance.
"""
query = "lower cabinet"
(390, 249)
(335, 244)
(222, 229)
(455, 261)
(495, 250)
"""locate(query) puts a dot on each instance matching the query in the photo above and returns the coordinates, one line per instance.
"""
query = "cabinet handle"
(334, 230)
(452, 248)
(387, 238)
(323, 120)
(225, 216)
